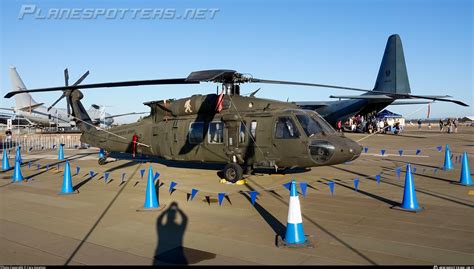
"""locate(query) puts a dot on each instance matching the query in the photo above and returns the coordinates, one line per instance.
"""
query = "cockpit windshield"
(313, 123)
(310, 126)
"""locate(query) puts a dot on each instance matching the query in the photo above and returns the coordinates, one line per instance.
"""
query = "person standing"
(339, 125)
(8, 140)
(449, 125)
(441, 124)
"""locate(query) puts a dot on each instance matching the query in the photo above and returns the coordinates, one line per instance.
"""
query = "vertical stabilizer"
(393, 76)
(22, 100)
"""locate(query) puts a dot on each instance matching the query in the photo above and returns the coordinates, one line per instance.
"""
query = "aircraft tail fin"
(393, 76)
(22, 100)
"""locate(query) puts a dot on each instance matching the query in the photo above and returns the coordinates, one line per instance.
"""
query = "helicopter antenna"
(254, 92)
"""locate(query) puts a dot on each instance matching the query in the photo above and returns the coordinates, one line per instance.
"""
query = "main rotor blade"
(133, 83)
(267, 81)
(59, 99)
(81, 78)
(400, 95)
(126, 114)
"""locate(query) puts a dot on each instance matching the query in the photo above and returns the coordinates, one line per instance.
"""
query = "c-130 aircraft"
(390, 88)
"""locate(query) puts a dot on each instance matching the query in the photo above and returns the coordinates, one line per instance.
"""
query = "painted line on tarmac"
(396, 155)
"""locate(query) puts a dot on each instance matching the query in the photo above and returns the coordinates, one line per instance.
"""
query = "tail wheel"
(233, 172)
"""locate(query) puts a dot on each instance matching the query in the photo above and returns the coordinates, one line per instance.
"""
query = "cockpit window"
(327, 128)
(285, 128)
(310, 126)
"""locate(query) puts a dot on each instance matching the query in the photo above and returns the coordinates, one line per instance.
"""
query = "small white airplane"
(41, 115)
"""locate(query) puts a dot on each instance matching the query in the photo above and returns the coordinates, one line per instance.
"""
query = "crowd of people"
(451, 125)
(360, 124)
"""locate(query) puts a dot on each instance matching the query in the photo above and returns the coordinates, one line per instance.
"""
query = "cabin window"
(253, 129)
(310, 126)
(286, 129)
(242, 132)
(215, 133)
(196, 132)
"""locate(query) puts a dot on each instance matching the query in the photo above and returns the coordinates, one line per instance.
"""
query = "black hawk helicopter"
(239, 131)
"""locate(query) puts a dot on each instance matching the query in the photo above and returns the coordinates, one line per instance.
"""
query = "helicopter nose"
(334, 151)
(349, 150)
(354, 148)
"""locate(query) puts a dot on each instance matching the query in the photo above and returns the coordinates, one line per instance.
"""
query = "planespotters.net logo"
(37, 13)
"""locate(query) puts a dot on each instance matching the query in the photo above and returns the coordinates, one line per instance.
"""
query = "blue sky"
(328, 42)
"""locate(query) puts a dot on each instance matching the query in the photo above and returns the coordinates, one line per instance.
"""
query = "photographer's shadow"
(170, 228)
(170, 236)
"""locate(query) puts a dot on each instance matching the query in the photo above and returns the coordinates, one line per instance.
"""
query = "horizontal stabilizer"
(436, 96)
(28, 108)
(429, 97)
(51, 116)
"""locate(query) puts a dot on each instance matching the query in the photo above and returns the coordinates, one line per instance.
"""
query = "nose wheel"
(233, 172)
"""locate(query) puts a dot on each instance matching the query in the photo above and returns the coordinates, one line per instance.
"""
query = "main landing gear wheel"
(102, 160)
(233, 172)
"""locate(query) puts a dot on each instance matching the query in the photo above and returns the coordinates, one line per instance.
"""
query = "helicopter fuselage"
(248, 131)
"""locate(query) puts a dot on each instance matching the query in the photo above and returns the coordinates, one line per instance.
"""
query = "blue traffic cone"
(151, 200)
(67, 180)
(409, 195)
(17, 176)
(61, 152)
(294, 229)
(5, 162)
(466, 178)
(101, 153)
(447, 159)
(18, 155)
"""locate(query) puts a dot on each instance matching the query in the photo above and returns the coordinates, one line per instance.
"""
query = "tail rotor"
(68, 91)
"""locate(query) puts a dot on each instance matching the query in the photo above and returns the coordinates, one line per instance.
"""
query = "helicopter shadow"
(155, 159)
(278, 228)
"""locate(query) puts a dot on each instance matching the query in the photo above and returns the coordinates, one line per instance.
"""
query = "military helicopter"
(244, 133)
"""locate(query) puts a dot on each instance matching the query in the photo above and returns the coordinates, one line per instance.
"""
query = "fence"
(33, 142)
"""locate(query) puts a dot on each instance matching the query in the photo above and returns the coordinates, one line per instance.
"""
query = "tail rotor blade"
(81, 78)
(66, 77)
(68, 107)
(59, 99)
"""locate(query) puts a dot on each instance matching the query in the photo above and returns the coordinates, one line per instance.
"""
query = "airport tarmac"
(101, 225)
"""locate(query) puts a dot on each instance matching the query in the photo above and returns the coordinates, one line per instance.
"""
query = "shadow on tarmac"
(170, 228)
